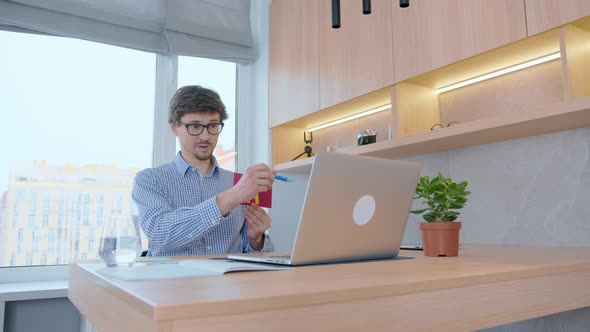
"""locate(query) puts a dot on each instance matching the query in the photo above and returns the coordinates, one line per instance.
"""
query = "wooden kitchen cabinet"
(552, 96)
(432, 34)
(437, 43)
(293, 60)
(543, 15)
(357, 58)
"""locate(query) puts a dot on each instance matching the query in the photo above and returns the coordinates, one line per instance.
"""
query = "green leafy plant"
(442, 195)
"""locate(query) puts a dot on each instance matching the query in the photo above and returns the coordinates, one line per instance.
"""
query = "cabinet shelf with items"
(544, 98)
(550, 118)
(288, 138)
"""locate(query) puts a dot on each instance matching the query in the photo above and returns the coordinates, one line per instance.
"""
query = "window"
(32, 205)
(15, 214)
(99, 207)
(51, 246)
(79, 120)
(91, 239)
(83, 114)
(34, 241)
(221, 77)
(85, 208)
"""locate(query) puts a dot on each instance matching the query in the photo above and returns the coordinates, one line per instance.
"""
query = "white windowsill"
(19, 291)
(33, 282)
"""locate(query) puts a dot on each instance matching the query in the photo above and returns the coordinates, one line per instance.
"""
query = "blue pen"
(283, 178)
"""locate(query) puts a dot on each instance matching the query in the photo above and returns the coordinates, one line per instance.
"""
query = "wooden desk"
(484, 287)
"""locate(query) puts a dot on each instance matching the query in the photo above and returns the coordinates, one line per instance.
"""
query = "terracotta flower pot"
(440, 238)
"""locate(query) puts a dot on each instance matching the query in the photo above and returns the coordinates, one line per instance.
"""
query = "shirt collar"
(182, 166)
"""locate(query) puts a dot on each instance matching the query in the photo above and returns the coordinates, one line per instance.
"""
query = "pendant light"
(366, 10)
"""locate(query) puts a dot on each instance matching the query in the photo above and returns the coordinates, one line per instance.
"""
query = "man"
(190, 206)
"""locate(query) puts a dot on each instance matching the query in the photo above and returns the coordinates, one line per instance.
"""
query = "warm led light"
(500, 72)
(352, 117)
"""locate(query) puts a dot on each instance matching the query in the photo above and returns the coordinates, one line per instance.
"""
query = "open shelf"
(288, 138)
(551, 118)
(545, 98)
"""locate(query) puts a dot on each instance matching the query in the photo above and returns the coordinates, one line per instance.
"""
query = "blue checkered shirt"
(179, 214)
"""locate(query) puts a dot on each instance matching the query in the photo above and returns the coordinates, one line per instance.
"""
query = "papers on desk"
(183, 269)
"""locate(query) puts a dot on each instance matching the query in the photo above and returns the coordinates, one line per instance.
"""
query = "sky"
(71, 101)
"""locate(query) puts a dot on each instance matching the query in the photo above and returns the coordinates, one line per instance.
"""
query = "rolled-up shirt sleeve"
(167, 228)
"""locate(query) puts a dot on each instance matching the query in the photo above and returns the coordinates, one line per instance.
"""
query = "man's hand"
(257, 178)
(258, 222)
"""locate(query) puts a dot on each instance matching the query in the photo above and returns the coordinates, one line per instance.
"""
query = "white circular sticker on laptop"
(363, 210)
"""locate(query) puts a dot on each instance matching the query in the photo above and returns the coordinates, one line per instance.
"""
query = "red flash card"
(263, 199)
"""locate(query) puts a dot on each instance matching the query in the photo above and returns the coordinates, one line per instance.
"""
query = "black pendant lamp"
(366, 7)
(366, 10)
(335, 14)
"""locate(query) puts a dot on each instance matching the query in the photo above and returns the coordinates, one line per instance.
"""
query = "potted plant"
(443, 197)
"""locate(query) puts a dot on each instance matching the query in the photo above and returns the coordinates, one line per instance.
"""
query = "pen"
(283, 178)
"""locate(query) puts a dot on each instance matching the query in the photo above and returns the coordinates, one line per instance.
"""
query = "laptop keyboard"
(280, 256)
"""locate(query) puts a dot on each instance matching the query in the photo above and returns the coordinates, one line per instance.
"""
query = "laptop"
(355, 208)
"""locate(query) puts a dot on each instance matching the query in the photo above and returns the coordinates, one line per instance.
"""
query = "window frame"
(251, 127)
(163, 150)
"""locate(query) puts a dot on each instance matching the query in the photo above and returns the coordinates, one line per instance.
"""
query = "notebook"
(355, 208)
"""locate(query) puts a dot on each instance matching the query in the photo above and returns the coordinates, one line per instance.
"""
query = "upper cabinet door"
(543, 15)
(357, 58)
(293, 60)
(433, 33)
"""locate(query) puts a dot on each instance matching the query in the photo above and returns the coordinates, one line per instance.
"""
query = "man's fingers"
(252, 209)
(258, 211)
(263, 185)
(264, 182)
(265, 178)
(251, 214)
(258, 217)
(258, 168)
(265, 174)
(255, 224)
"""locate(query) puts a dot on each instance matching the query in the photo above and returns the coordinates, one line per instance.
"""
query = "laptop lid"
(355, 208)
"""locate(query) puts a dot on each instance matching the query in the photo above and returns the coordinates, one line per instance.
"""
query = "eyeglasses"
(439, 125)
(195, 129)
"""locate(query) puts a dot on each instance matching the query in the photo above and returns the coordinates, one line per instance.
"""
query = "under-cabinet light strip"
(349, 118)
(500, 72)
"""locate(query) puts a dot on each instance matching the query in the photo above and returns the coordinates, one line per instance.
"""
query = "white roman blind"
(218, 29)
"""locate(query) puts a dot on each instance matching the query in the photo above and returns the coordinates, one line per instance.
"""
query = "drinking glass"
(120, 241)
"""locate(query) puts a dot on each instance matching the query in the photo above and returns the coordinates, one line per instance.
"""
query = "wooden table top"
(235, 292)
(251, 292)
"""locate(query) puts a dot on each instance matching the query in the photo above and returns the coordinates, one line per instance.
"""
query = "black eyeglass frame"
(208, 126)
